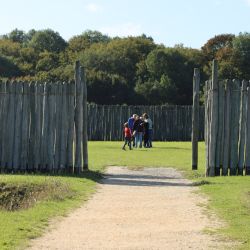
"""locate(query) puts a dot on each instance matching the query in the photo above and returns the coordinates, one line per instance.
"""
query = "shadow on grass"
(173, 148)
(88, 174)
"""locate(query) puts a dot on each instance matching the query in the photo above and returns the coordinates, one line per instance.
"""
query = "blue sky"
(191, 22)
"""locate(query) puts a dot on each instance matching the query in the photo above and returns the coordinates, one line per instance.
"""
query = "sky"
(168, 22)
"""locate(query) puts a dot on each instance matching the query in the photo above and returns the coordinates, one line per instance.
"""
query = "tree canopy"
(130, 70)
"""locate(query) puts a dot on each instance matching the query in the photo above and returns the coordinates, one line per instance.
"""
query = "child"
(127, 136)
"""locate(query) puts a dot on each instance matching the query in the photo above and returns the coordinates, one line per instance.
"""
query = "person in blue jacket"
(131, 122)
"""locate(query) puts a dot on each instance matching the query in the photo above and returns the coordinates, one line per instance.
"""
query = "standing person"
(145, 133)
(137, 131)
(131, 122)
(127, 136)
(150, 129)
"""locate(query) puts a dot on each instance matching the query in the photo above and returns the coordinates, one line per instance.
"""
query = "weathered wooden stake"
(234, 129)
(85, 121)
(78, 119)
(214, 120)
(219, 144)
(206, 124)
(243, 118)
(195, 118)
(18, 126)
(226, 141)
(247, 161)
(51, 126)
(11, 124)
(70, 138)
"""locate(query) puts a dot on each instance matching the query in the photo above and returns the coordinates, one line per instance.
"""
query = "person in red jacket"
(127, 136)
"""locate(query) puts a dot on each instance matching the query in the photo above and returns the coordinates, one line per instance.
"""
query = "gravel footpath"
(154, 208)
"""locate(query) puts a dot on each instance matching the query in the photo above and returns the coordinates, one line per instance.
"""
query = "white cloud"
(124, 29)
(248, 2)
(93, 7)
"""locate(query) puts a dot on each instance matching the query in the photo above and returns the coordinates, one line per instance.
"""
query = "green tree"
(8, 68)
(215, 44)
(105, 88)
(47, 40)
(9, 48)
(18, 36)
(118, 56)
(157, 92)
(81, 42)
(47, 61)
(177, 66)
(241, 57)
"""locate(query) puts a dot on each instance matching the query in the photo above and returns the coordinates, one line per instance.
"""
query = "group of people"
(137, 130)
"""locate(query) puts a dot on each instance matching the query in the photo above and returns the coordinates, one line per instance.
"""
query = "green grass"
(19, 226)
(163, 154)
(229, 197)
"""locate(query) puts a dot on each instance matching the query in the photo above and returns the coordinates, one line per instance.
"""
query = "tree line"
(130, 70)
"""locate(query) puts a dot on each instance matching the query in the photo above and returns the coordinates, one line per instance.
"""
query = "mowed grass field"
(229, 197)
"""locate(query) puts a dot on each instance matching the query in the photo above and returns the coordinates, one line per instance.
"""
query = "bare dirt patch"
(154, 208)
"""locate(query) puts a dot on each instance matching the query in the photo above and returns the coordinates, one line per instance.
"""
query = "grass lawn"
(64, 193)
(228, 196)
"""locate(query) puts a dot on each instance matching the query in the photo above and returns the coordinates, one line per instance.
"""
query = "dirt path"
(154, 208)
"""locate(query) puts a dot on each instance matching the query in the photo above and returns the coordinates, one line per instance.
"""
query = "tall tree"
(47, 40)
(213, 45)
(241, 58)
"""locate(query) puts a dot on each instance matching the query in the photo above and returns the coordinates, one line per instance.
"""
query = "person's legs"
(150, 135)
(133, 140)
(146, 140)
(125, 143)
(129, 143)
(140, 138)
(136, 139)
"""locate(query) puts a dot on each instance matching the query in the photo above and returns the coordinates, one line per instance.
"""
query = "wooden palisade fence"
(227, 126)
(43, 126)
(170, 122)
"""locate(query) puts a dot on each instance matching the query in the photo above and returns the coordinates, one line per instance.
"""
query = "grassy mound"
(28, 202)
(25, 195)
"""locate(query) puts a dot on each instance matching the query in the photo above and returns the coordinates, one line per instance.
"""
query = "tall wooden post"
(85, 121)
(234, 129)
(78, 119)
(206, 123)
(195, 118)
(219, 142)
(242, 133)
(226, 142)
(214, 120)
(247, 159)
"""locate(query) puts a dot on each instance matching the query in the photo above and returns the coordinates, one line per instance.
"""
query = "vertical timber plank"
(195, 118)
(70, 140)
(214, 120)
(85, 120)
(78, 119)
(18, 126)
(242, 133)
(247, 150)
(234, 130)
